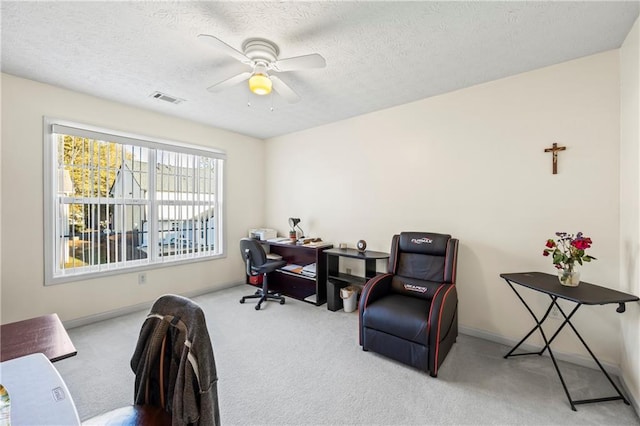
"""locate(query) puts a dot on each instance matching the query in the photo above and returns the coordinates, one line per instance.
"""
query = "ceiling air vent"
(167, 98)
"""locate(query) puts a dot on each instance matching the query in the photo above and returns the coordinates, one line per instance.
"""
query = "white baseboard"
(563, 356)
(630, 396)
(90, 319)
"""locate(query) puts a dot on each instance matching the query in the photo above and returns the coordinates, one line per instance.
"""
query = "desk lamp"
(293, 223)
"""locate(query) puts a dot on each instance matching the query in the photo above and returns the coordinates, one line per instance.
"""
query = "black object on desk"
(337, 280)
(584, 294)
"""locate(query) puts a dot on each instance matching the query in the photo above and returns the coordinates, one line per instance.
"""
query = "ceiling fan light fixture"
(260, 84)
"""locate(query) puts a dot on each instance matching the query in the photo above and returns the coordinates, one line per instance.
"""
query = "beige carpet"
(298, 364)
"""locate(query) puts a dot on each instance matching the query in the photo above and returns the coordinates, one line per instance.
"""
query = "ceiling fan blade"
(313, 60)
(230, 82)
(285, 91)
(220, 45)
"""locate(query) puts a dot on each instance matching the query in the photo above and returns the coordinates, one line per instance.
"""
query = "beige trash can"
(349, 296)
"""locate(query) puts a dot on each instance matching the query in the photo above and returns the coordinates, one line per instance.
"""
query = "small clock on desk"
(361, 246)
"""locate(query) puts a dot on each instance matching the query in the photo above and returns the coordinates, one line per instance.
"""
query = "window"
(116, 202)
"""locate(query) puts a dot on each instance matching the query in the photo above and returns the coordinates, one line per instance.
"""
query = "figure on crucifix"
(555, 149)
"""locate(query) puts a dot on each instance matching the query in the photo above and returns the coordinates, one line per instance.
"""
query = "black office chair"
(257, 264)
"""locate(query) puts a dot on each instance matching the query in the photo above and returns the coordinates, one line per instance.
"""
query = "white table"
(38, 394)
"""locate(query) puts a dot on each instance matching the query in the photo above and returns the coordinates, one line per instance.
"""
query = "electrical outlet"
(555, 313)
(142, 278)
(348, 271)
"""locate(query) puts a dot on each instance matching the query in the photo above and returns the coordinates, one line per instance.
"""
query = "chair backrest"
(422, 261)
(253, 254)
(174, 364)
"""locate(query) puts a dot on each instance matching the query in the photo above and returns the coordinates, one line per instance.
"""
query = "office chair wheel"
(242, 300)
(282, 301)
(257, 307)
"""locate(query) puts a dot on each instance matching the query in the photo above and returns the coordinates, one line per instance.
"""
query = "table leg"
(537, 326)
(567, 321)
(612, 398)
(544, 337)
(566, 318)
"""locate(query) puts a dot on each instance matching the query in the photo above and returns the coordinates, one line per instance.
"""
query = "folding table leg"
(547, 346)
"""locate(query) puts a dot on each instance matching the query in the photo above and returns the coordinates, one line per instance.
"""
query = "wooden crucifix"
(555, 149)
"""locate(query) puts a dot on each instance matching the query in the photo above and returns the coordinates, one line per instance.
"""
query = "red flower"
(582, 244)
(568, 249)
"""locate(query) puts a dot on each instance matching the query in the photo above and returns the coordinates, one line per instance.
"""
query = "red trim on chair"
(372, 283)
(450, 262)
(455, 260)
(393, 260)
(446, 260)
(431, 307)
(363, 302)
(435, 364)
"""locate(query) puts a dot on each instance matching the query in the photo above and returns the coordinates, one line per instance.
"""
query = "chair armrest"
(374, 289)
(442, 313)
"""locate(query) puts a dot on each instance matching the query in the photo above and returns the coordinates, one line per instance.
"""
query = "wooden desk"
(584, 294)
(309, 289)
(44, 334)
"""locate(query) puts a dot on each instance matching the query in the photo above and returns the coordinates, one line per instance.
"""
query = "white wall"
(469, 163)
(472, 163)
(630, 205)
(24, 103)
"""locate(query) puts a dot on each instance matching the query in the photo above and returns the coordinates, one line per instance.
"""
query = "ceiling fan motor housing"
(260, 50)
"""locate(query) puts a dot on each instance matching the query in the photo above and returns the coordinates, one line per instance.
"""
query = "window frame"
(51, 199)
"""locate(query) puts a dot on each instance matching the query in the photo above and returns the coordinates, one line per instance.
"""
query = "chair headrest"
(424, 243)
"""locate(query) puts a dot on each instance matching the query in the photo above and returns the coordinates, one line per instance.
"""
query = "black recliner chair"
(257, 263)
(410, 314)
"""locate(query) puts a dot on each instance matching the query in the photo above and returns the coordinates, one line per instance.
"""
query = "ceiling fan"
(262, 56)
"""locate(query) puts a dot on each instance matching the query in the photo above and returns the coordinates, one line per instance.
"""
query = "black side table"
(337, 280)
(584, 294)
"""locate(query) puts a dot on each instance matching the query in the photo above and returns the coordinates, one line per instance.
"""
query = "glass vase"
(569, 275)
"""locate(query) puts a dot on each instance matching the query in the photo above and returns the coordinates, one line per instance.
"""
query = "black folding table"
(583, 294)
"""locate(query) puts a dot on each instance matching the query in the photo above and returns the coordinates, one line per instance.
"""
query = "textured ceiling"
(379, 54)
